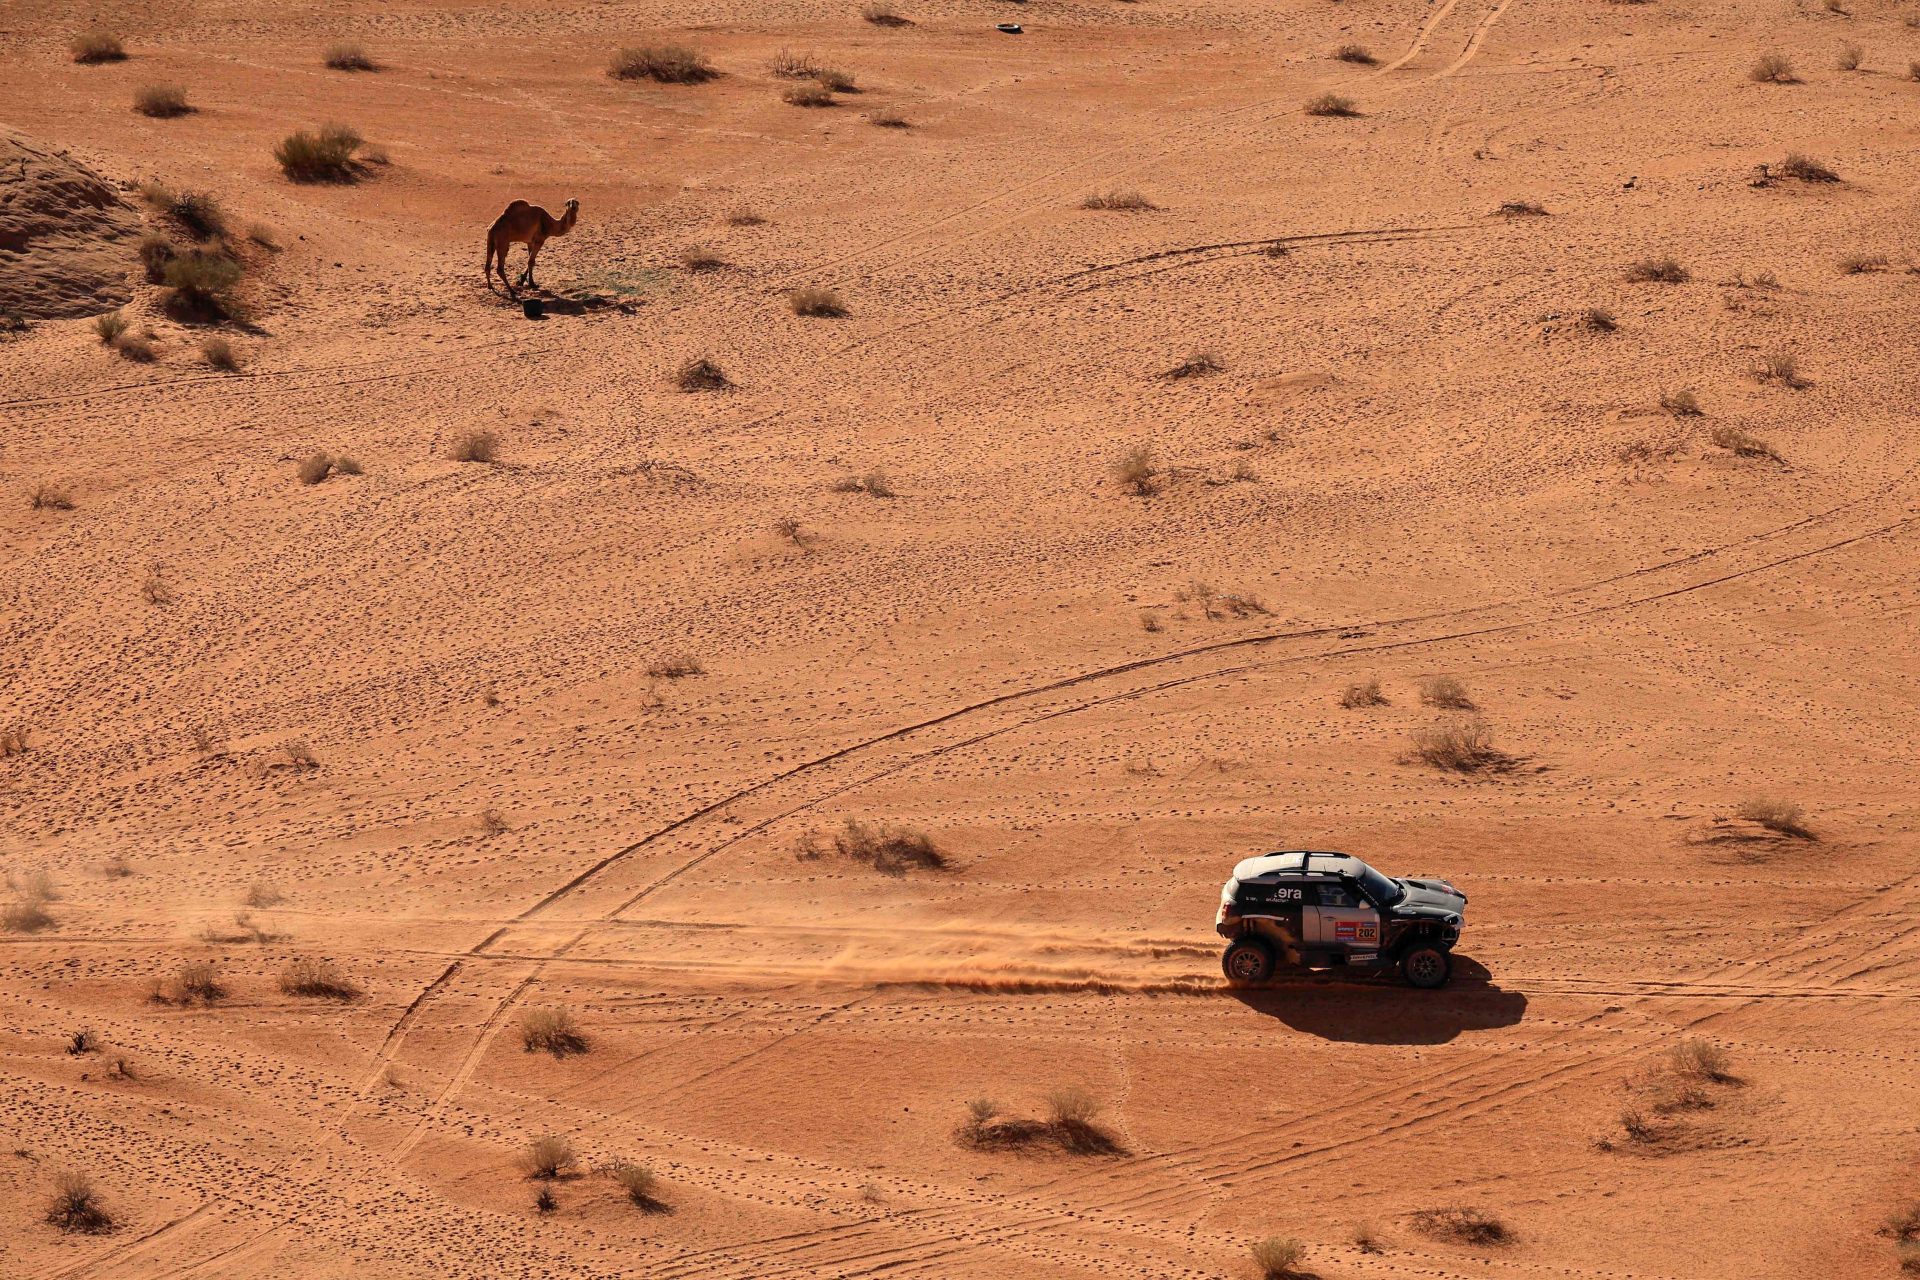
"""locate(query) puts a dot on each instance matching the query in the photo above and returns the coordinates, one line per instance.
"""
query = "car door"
(1343, 921)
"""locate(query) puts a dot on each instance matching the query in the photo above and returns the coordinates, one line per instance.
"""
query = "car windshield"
(1383, 891)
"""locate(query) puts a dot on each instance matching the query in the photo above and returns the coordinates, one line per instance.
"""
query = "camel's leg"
(533, 256)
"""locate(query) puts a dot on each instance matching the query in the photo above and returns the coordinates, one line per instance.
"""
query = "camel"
(526, 224)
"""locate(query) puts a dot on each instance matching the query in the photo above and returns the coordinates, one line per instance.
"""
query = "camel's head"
(573, 206)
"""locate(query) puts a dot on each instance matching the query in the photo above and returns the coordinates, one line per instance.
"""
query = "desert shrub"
(874, 484)
(1851, 57)
(1599, 320)
(1903, 1223)
(1463, 744)
(1445, 691)
(137, 347)
(745, 218)
(299, 754)
(1521, 209)
(1781, 817)
(886, 847)
(1138, 471)
(810, 301)
(547, 1157)
(156, 251)
(881, 15)
(1697, 1059)
(544, 1201)
(1124, 199)
(1278, 1257)
(1355, 53)
(1331, 104)
(1365, 693)
(1663, 270)
(889, 120)
(1780, 367)
(701, 258)
(202, 285)
(640, 1184)
(475, 446)
(551, 1029)
(1741, 444)
(315, 469)
(92, 47)
(1368, 1238)
(790, 529)
(346, 466)
(982, 1111)
(676, 666)
(49, 497)
(263, 893)
(1197, 364)
(811, 94)
(1071, 1123)
(345, 55)
(76, 1206)
(1681, 403)
(196, 980)
(664, 64)
(197, 212)
(1773, 68)
(319, 979)
(219, 354)
(1216, 604)
(161, 101)
(1462, 1226)
(110, 326)
(700, 374)
(82, 1041)
(262, 234)
(326, 155)
(836, 81)
(13, 738)
(27, 915)
(789, 65)
(1805, 169)
(1858, 264)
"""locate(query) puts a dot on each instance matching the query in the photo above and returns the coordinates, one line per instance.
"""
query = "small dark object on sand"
(533, 309)
(1011, 28)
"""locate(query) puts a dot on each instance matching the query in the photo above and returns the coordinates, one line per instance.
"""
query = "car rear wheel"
(1426, 965)
(1247, 960)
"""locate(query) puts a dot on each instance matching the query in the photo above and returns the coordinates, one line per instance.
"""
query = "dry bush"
(196, 980)
(219, 354)
(700, 374)
(836, 81)
(81, 1042)
(1331, 104)
(1741, 444)
(1804, 168)
(789, 529)
(197, 212)
(1907, 1252)
(663, 64)
(116, 868)
(156, 251)
(1773, 68)
(262, 234)
(676, 666)
(92, 47)
(346, 466)
(201, 285)
(789, 65)
(110, 326)
(1697, 1059)
(1780, 367)
(1198, 364)
(50, 497)
(1663, 270)
(1463, 744)
(1445, 691)
(263, 893)
(1782, 817)
(1365, 693)
(345, 55)
(299, 754)
(1124, 199)
(1851, 57)
(1150, 622)
(315, 469)
(13, 738)
(76, 1206)
(886, 847)
(1368, 1238)
(547, 1157)
(155, 589)
(874, 484)
(551, 1029)
(745, 218)
(1138, 471)
(1599, 320)
(1903, 1224)
(161, 101)
(28, 915)
(811, 94)
(1070, 1123)
(137, 347)
(327, 155)
(982, 1111)
(889, 120)
(1355, 53)
(1859, 264)
(809, 301)
(37, 884)
(881, 15)
(639, 1182)
(1462, 1226)
(1215, 604)
(1681, 403)
(1278, 1257)
(475, 446)
(1521, 209)
(544, 1201)
(319, 979)
(701, 258)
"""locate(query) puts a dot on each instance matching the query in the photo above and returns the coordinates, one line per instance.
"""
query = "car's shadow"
(1362, 1009)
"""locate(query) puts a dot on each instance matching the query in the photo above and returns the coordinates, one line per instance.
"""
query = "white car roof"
(1296, 860)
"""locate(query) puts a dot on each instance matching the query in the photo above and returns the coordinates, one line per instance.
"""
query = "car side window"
(1335, 895)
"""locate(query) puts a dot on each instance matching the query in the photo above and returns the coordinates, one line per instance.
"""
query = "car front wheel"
(1426, 965)
(1246, 961)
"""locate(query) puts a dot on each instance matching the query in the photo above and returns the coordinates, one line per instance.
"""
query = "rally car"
(1326, 910)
